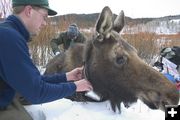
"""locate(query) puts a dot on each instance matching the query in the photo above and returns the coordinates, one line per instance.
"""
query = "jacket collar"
(17, 24)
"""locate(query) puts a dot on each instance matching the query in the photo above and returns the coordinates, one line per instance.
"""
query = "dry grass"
(40, 48)
(145, 43)
(150, 44)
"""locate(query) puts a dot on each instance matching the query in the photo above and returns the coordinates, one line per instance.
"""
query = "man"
(17, 71)
(67, 38)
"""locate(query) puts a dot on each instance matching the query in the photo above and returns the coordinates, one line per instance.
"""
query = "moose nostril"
(164, 103)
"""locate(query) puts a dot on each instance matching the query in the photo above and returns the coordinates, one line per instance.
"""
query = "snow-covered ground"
(65, 109)
(169, 26)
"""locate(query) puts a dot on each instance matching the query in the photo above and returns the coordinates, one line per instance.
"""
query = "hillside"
(164, 25)
(160, 25)
(90, 19)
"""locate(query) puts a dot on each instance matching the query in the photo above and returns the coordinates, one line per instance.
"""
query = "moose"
(114, 68)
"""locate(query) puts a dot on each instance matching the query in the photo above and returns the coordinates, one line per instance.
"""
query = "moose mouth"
(155, 100)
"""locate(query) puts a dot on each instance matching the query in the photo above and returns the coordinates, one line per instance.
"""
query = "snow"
(175, 21)
(65, 109)
(156, 26)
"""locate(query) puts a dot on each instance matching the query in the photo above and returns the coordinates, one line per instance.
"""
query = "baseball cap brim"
(50, 11)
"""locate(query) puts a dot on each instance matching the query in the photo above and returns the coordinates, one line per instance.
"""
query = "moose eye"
(121, 60)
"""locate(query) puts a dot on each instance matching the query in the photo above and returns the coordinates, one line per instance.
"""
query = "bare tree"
(5, 8)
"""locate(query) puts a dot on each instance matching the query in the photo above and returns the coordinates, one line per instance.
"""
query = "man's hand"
(83, 85)
(75, 74)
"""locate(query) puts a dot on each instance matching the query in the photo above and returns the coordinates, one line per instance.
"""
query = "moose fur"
(114, 69)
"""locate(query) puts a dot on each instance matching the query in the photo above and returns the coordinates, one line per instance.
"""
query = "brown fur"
(115, 70)
(66, 61)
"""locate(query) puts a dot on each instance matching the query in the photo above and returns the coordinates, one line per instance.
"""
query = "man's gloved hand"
(57, 53)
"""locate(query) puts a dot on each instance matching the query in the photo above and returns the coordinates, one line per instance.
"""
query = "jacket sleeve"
(55, 43)
(21, 74)
(55, 78)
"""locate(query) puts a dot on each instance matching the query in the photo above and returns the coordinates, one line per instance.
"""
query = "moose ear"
(105, 22)
(119, 22)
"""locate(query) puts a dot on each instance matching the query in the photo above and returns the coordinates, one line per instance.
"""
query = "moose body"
(114, 68)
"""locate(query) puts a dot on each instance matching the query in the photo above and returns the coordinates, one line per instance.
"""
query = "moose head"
(115, 70)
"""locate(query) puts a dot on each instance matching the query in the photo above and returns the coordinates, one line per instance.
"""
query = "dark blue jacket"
(19, 74)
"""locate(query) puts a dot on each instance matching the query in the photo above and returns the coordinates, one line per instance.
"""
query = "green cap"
(41, 3)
